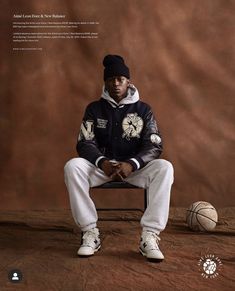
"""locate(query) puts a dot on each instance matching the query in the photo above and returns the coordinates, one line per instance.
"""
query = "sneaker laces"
(152, 240)
(89, 238)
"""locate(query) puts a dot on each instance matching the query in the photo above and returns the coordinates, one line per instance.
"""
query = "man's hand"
(125, 169)
(108, 168)
(122, 170)
(116, 171)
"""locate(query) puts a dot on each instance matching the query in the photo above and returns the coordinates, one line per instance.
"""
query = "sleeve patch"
(155, 138)
(87, 130)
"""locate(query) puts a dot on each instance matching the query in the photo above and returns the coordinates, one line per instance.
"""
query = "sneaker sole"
(95, 250)
(151, 259)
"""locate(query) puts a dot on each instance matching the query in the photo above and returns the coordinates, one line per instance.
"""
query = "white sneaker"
(149, 246)
(90, 243)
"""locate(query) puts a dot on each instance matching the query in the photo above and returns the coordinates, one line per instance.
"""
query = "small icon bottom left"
(15, 276)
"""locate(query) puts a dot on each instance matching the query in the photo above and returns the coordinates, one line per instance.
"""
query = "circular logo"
(209, 266)
(15, 276)
(132, 126)
(155, 138)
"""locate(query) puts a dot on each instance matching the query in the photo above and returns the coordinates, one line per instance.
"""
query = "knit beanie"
(115, 66)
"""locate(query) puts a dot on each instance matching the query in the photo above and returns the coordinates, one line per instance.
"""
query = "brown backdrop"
(181, 55)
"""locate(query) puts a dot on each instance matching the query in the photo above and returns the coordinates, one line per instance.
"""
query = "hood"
(132, 97)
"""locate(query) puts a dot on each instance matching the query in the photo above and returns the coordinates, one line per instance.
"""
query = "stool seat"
(117, 184)
(121, 185)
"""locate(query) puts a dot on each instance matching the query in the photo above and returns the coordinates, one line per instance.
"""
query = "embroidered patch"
(87, 130)
(132, 126)
(101, 123)
(155, 138)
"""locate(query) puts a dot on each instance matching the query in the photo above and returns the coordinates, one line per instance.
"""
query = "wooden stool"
(122, 185)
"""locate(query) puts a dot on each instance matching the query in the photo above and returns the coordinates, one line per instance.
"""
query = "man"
(119, 140)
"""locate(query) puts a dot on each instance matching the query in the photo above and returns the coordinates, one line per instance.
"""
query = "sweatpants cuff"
(146, 228)
(88, 227)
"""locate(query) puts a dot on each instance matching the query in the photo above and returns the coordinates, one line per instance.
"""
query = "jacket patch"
(155, 138)
(87, 130)
(132, 126)
(102, 123)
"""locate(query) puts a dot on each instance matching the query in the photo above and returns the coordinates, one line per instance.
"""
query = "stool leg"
(145, 199)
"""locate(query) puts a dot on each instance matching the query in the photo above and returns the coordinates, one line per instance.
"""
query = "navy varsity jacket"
(124, 131)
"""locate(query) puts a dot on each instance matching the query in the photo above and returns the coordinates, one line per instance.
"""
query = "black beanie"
(115, 66)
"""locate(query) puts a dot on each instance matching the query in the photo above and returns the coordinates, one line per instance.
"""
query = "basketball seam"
(197, 212)
(206, 208)
(191, 207)
(207, 217)
(198, 205)
(200, 223)
(192, 215)
(188, 213)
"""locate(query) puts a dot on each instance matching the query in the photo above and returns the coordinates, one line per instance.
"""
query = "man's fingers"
(116, 165)
(120, 176)
(117, 177)
(114, 174)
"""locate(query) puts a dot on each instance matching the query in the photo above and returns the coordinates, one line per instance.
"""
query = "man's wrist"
(100, 162)
(133, 165)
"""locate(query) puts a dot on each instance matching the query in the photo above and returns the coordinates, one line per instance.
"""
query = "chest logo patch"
(132, 126)
(101, 123)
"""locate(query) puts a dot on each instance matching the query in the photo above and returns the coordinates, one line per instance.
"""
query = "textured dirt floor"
(43, 245)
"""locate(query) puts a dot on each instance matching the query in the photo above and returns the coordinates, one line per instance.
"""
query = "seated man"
(119, 140)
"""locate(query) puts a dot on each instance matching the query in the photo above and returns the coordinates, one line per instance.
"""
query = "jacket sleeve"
(87, 146)
(151, 146)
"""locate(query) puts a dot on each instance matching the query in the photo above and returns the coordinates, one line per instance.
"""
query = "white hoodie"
(132, 97)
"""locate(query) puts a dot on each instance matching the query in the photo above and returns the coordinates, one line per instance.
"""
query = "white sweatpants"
(156, 177)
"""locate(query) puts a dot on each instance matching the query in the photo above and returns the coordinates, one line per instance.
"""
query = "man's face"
(117, 87)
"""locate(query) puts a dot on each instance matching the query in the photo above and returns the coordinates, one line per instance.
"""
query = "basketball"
(201, 216)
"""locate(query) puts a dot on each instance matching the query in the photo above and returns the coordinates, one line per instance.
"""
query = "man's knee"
(73, 164)
(163, 165)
